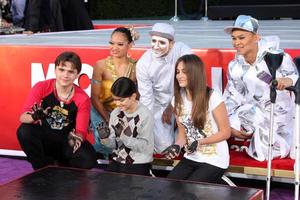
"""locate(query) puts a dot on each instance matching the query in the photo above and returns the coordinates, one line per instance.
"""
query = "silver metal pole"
(205, 18)
(175, 18)
(270, 147)
(297, 138)
(0, 17)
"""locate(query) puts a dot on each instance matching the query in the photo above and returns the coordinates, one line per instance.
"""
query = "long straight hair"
(197, 86)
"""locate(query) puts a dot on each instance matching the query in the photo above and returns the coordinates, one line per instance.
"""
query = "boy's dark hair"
(69, 56)
(123, 87)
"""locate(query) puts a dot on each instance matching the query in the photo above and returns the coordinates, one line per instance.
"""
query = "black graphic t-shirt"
(62, 117)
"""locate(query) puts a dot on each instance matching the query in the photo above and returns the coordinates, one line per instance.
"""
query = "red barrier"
(22, 66)
(113, 26)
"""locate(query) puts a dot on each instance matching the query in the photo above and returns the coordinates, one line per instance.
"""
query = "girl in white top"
(203, 125)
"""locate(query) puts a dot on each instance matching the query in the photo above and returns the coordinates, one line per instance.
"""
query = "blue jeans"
(96, 119)
(17, 9)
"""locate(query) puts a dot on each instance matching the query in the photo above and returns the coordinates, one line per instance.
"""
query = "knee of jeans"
(87, 159)
(95, 118)
(23, 132)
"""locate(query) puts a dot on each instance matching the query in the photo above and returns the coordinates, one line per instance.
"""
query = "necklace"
(113, 69)
(62, 99)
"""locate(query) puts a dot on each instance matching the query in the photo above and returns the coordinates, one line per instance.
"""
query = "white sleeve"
(215, 100)
(145, 86)
(231, 96)
(232, 100)
(288, 69)
(184, 49)
(111, 140)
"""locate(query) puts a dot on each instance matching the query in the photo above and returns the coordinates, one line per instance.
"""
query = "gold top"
(106, 96)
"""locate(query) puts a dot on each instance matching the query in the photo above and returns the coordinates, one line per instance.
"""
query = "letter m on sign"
(37, 73)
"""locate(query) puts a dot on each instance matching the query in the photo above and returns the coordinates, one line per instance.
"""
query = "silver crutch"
(296, 90)
(273, 60)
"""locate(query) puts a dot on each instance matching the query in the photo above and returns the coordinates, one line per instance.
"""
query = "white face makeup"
(160, 46)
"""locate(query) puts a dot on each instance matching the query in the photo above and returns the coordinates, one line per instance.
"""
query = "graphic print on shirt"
(193, 133)
(58, 118)
(128, 126)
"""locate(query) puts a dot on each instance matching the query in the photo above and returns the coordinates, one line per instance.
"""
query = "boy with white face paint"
(155, 76)
(160, 46)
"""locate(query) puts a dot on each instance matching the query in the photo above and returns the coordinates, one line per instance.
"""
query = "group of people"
(159, 104)
(46, 15)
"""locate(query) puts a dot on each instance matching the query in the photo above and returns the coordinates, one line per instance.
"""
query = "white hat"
(163, 30)
(244, 22)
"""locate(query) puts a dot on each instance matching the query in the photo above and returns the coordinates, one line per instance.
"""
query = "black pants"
(44, 147)
(140, 169)
(43, 15)
(190, 170)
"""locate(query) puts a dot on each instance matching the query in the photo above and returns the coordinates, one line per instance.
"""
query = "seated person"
(56, 15)
(131, 131)
(5, 14)
(17, 10)
(75, 15)
(203, 125)
(247, 95)
(55, 119)
(43, 16)
(105, 73)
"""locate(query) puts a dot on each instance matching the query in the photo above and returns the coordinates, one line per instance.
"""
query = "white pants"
(163, 133)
